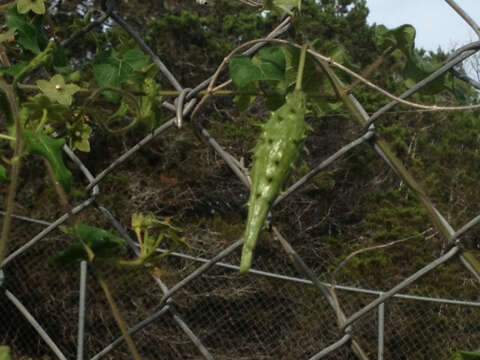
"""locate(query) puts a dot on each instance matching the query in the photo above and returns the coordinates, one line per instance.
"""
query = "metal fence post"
(81, 309)
(381, 325)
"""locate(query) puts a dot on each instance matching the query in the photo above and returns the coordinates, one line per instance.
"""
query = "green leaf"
(141, 222)
(466, 355)
(269, 65)
(245, 98)
(142, 225)
(3, 175)
(134, 58)
(29, 34)
(14, 69)
(107, 75)
(111, 69)
(4, 353)
(57, 90)
(148, 112)
(322, 107)
(243, 71)
(37, 6)
(271, 62)
(340, 55)
(51, 149)
(402, 37)
(104, 244)
(311, 77)
(416, 68)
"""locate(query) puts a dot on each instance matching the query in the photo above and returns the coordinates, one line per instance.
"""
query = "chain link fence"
(195, 305)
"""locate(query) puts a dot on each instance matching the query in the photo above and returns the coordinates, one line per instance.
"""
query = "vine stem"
(301, 66)
(61, 193)
(214, 92)
(9, 92)
(111, 302)
(36, 88)
(232, 92)
(97, 92)
(37, 61)
(118, 318)
(376, 247)
(7, 137)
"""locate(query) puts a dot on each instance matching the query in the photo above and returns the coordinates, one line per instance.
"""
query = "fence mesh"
(195, 305)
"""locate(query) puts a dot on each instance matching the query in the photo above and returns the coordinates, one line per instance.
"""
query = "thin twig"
(376, 247)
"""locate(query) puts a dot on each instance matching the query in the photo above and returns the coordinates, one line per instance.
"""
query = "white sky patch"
(437, 24)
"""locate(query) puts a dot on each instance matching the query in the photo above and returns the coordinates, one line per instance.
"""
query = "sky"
(437, 24)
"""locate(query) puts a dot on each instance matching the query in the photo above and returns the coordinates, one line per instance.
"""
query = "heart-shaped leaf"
(111, 68)
(269, 65)
(243, 71)
(271, 62)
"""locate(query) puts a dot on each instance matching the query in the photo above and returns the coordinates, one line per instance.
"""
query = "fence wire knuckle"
(182, 315)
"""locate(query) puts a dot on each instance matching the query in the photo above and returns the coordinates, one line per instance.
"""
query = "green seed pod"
(276, 152)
